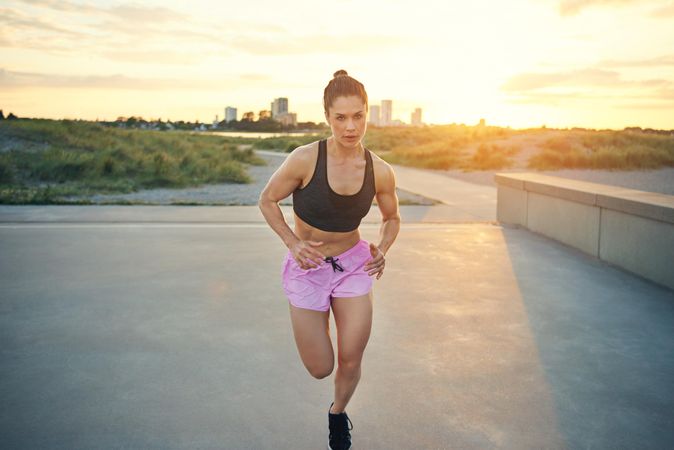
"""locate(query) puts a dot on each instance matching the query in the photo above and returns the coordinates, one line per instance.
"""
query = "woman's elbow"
(264, 200)
(393, 217)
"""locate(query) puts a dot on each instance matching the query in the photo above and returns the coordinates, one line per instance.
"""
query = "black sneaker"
(340, 438)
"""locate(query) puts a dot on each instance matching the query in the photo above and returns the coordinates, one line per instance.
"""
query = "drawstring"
(335, 265)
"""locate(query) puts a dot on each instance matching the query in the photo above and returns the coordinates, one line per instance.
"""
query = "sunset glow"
(518, 63)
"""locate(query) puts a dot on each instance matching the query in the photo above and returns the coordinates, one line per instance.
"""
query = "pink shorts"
(314, 288)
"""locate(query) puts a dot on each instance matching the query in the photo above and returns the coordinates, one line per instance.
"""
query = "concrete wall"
(629, 228)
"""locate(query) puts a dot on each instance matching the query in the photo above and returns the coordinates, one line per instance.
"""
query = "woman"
(333, 182)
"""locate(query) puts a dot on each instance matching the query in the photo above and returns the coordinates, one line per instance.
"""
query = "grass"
(287, 143)
(46, 159)
(491, 157)
(622, 150)
(437, 147)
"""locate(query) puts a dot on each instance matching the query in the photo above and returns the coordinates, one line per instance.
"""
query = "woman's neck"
(342, 152)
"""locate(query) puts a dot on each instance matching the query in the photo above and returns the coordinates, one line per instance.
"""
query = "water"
(258, 135)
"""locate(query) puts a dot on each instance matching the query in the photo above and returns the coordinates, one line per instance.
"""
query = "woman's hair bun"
(340, 73)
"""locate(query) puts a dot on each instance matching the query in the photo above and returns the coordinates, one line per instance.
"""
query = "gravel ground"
(220, 194)
(658, 180)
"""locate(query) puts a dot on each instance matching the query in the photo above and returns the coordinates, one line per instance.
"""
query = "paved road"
(167, 328)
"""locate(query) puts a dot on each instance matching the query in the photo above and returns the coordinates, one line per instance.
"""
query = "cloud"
(664, 60)
(61, 5)
(136, 14)
(589, 84)
(154, 56)
(288, 45)
(131, 33)
(573, 7)
(584, 77)
(125, 12)
(17, 21)
(255, 77)
(17, 80)
(663, 12)
(645, 106)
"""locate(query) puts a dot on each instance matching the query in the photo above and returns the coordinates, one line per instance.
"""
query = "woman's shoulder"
(379, 165)
(383, 172)
(303, 158)
(306, 151)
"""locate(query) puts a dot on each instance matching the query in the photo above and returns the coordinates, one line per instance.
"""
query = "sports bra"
(321, 207)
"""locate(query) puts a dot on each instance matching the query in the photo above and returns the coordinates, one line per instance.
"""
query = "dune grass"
(605, 150)
(436, 147)
(287, 143)
(42, 160)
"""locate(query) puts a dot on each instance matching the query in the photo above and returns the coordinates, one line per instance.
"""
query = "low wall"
(629, 228)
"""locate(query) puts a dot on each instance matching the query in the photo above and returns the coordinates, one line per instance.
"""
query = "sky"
(517, 63)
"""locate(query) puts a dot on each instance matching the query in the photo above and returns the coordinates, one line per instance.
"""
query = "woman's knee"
(350, 364)
(320, 371)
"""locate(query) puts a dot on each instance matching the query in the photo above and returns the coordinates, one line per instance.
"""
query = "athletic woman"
(333, 182)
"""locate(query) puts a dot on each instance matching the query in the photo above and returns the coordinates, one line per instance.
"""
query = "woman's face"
(347, 118)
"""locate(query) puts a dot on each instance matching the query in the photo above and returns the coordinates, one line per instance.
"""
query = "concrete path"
(475, 200)
(167, 328)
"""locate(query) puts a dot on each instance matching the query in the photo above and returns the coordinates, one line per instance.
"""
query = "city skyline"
(279, 111)
(517, 63)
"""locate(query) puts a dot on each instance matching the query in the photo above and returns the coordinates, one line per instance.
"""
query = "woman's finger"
(318, 254)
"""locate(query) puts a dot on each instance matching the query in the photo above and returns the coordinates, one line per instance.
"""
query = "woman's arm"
(387, 199)
(281, 184)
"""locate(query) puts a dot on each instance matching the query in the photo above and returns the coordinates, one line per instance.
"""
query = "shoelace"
(335, 265)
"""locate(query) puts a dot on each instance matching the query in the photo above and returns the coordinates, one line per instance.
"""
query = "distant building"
(482, 123)
(230, 114)
(279, 106)
(386, 112)
(287, 119)
(416, 117)
(375, 115)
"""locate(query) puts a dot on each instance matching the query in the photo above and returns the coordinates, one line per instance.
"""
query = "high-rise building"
(386, 112)
(416, 117)
(375, 117)
(279, 106)
(230, 114)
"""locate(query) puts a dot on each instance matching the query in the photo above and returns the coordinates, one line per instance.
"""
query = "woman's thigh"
(353, 317)
(312, 336)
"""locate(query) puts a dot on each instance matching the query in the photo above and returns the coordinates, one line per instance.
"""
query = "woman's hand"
(306, 255)
(376, 264)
